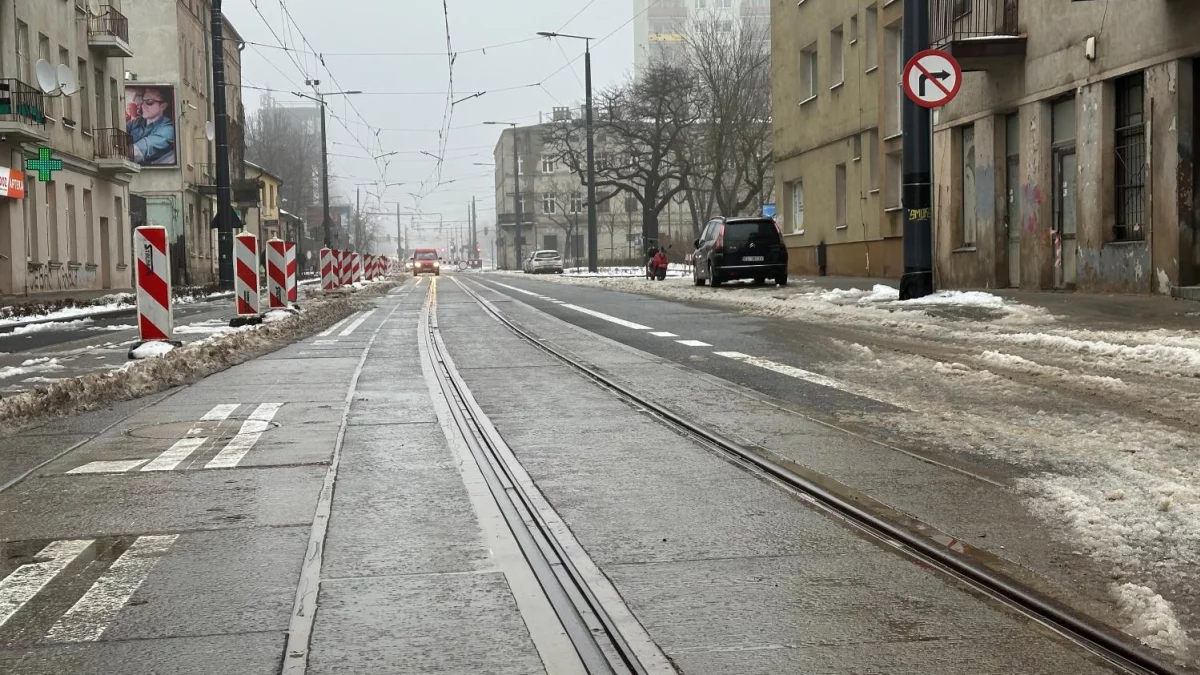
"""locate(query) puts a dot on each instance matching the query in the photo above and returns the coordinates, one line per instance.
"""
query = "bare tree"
(568, 198)
(643, 123)
(277, 141)
(727, 161)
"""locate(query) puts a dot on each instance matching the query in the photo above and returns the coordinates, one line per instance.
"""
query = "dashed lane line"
(790, 371)
(693, 343)
(88, 618)
(664, 334)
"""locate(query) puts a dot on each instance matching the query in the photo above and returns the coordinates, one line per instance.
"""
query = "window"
(55, 252)
(837, 58)
(89, 256)
(548, 164)
(548, 204)
(872, 37)
(631, 205)
(33, 246)
(520, 163)
(122, 238)
(856, 146)
(873, 158)
(23, 55)
(798, 207)
(854, 29)
(839, 194)
(84, 111)
(576, 202)
(72, 227)
(701, 4)
(808, 73)
(115, 96)
(522, 206)
(894, 46)
(725, 4)
(550, 243)
(1130, 167)
(895, 179)
(44, 53)
(98, 96)
(725, 26)
(969, 213)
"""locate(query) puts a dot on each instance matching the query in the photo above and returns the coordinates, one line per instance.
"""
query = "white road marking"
(354, 326)
(693, 343)
(252, 429)
(220, 413)
(791, 371)
(324, 342)
(118, 466)
(329, 331)
(663, 333)
(172, 458)
(606, 317)
(87, 620)
(27, 581)
(520, 290)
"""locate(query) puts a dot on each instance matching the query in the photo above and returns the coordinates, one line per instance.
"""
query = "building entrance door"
(1065, 180)
(1012, 220)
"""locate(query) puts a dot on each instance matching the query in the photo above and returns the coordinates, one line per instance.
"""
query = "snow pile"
(152, 349)
(1152, 620)
(278, 315)
(878, 293)
(1157, 351)
(44, 327)
(30, 367)
(107, 304)
(676, 270)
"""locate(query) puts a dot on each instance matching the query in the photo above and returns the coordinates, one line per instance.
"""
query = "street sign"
(932, 78)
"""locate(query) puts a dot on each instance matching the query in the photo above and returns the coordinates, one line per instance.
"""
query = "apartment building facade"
(170, 90)
(1067, 159)
(554, 206)
(70, 232)
(835, 69)
(660, 28)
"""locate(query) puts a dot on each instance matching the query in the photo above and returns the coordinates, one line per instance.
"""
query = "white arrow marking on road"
(175, 456)
(27, 581)
(252, 429)
(87, 620)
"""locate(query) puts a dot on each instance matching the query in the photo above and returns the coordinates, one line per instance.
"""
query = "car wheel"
(760, 281)
(696, 279)
(713, 278)
(782, 279)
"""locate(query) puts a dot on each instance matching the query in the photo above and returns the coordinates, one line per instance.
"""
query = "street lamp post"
(516, 186)
(320, 98)
(593, 234)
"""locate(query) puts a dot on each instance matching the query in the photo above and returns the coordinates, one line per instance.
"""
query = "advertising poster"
(150, 121)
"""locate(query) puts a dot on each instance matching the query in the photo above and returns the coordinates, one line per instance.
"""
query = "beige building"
(263, 219)
(836, 108)
(180, 186)
(554, 207)
(71, 232)
(1066, 160)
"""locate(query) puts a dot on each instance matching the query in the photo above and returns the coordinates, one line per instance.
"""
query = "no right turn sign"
(932, 78)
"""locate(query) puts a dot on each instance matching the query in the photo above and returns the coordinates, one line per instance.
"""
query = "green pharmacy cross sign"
(45, 165)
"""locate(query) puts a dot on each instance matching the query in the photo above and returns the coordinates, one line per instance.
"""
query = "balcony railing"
(960, 20)
(109, 22)
(113, 144)
(20, 102)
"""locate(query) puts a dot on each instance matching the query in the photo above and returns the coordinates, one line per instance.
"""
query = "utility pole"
(593, 239)
(399, 239)
(517, 194)
(220, 108)
(358, 219)
(475, 252)
(917, 281)
(325, 175)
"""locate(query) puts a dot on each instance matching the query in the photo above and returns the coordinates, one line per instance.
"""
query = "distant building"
(71, 232)
(263, 219)
(660, 29)
(1066, 161)
(180, 185)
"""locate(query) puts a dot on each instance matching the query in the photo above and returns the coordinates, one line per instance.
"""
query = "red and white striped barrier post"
(153, 278)
(277, 290)
(355, 268)
(289, 269)
(372, 267)
(245, 278)
(347, 269)
(329, 273)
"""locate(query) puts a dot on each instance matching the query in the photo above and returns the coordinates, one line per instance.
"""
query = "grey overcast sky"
(406, 94)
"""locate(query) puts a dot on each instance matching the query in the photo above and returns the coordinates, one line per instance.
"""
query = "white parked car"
(545, 262)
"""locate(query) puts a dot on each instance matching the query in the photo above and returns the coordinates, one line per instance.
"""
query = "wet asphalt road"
(172, 534)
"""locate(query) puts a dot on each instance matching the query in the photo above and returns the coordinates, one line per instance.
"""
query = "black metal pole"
(325, 179)
(593, 233)
(917, 281)
(220, 108)
(517, 193)
(399, 240)
(475, 252)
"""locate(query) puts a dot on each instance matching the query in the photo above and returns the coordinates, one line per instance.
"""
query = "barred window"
(1131, 159)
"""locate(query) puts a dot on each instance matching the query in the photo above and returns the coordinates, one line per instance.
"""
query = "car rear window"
(426, 255)
(546, 255)
(741, 232)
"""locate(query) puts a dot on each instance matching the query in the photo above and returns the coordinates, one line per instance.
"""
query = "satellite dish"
(66, 80)
(210, 131)
(46, 77)
(94, 7)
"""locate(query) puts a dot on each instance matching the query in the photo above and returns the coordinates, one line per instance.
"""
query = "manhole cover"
(176, 430)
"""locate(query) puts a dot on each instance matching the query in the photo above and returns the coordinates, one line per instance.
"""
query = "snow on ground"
(43, 327)
(118, 302)
(152, 349)
(673, 270)
(30, 367)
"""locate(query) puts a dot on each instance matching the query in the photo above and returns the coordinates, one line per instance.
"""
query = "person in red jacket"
(659, 264)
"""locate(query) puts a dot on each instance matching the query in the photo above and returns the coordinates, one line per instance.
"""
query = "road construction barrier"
(245, 274)
(329, 269)
(277, 284)
(346, 267)
(356, 267)
(289, 268)
(153, 283)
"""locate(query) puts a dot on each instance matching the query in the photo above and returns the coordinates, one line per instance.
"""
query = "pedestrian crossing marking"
(115, 466)
(25, 582)
(252, 429)
(175, 455)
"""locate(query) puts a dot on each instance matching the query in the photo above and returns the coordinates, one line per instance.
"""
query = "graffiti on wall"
(47, 277)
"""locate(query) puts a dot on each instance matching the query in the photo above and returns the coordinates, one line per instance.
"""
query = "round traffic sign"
(932, 78)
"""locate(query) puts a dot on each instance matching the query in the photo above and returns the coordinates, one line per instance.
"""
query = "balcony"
(204, 178)
(22, 113)
(108, 33)
(114, 151)
(980, 34)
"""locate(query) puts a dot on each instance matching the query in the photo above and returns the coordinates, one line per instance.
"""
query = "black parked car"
(740, 248)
